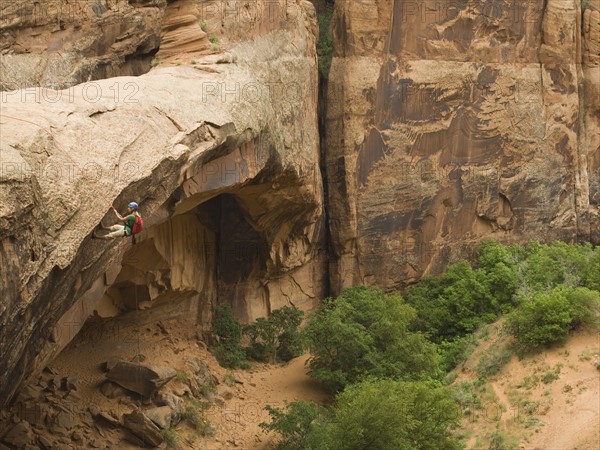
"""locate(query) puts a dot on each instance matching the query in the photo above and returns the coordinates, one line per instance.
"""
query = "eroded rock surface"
(58, 43)
(451, 122)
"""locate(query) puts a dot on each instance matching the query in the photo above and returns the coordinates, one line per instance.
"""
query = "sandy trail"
(238, 420)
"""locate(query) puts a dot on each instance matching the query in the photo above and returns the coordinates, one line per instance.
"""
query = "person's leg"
(117, 231)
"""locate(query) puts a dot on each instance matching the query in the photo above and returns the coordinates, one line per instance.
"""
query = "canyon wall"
(446, 122)
(451, 122)
(221, 153)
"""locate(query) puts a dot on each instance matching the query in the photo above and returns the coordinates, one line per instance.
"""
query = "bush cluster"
(272, 339)
(275, 338)
(372, 414)
(227, 335)
(547, 318)
(365, 332)
(384, 357)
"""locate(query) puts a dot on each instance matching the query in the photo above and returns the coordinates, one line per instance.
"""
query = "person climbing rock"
(132, 223)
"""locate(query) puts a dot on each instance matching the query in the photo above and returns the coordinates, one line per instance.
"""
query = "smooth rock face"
(224, 163)
(452, 122)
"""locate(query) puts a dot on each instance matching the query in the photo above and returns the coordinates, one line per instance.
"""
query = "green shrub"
(502, 441)
(277, 337)
(546, 319)
(493, 360)
(204, 26)
(227, 334)
(374, 415)
(295, 425)
(454, 304)
(389, 414)
(171, 438)
(367, 333)
(465, 394)
(552, 375)
(457, 351)
(548, 266)
(214, 39)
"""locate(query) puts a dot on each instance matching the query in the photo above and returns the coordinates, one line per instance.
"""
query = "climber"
(132, 223)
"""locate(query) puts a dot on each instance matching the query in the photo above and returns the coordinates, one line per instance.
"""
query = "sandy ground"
(561, 414)
(236, 421)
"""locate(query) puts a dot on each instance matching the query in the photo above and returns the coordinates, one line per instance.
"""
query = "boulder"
(111, 390)
(201, 376)
(20, 435)
(140, 378)
(143, 428)
(161, 416)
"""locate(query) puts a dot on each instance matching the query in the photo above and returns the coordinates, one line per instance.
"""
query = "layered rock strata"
(452, 122)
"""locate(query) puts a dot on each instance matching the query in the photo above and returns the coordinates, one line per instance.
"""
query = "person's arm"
(120, 218)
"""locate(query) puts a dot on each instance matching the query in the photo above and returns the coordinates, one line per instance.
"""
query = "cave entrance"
(241, 255)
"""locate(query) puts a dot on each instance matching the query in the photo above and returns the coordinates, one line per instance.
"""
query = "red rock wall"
(454, 121)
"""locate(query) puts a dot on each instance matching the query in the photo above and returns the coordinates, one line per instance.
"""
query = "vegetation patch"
(374, 414)
(366, 333)
(275, 338)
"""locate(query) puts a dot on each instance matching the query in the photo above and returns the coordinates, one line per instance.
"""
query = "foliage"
(204, 26)
(214, 39)
(456, 303)
(193, 413)
(229, 378)
(393, 414)
(171, 438)
(325, 43)
(465, 394)
(552, 375)
(502, 441)
(548, 266)
(294, 425)
(182, 376)
(452, 306)
(365, 332)
(493, 360)
(547, 318)
(276, 337)
(374, 414)
(227, 332)
(456, 351)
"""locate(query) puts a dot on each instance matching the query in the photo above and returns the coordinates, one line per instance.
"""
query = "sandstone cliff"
(221, 154)
(451, 122)
(446, 123)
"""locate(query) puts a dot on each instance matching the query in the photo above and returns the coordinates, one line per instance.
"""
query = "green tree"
(325, 43)
(296, 425)
(387, 414)
(548, 266)
(454, 304)
(365, 332)
(374, 415)
(547, 318)
(276, 337)
(227, 335)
